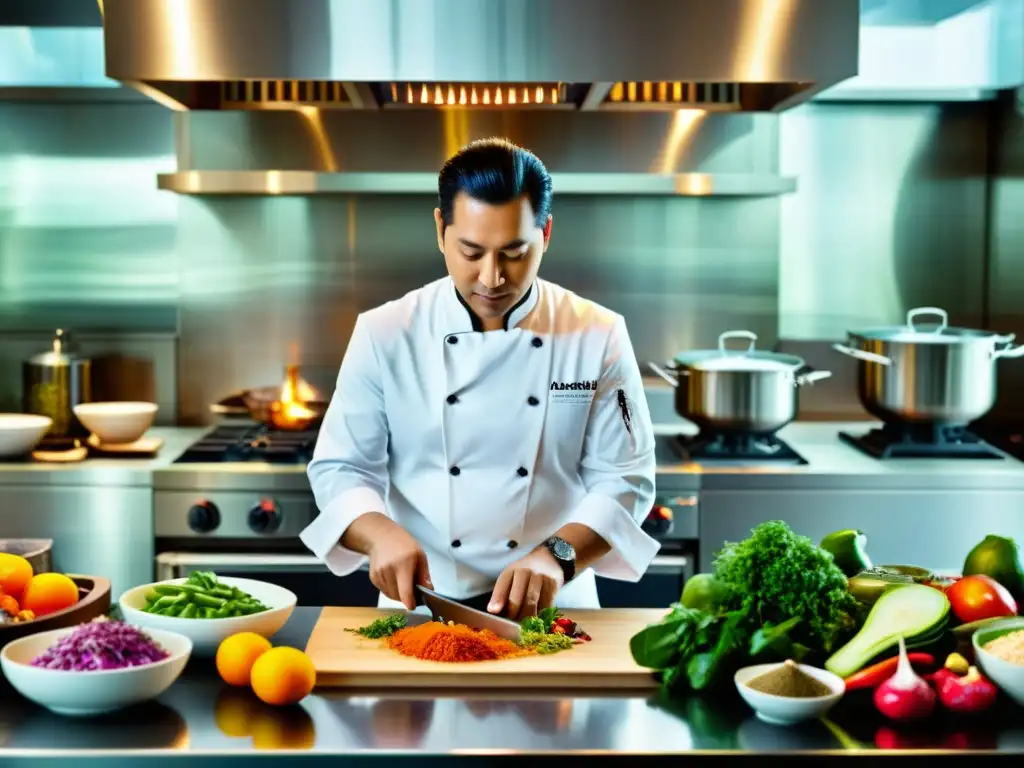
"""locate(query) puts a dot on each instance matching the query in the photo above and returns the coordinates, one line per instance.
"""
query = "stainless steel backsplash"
(891, 212)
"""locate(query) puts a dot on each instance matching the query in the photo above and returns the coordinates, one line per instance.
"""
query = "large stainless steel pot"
(54, 382)
(746, 390)
(928, 373)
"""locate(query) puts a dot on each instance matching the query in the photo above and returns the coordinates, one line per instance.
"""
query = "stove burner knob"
(203, 517)
(265, 517)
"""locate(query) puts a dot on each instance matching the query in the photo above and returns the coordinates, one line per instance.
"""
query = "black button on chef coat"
(513, 544)
(522, 472)
(455, 471)
(532, 400)
(537, 342)
(452, 399)
(452, 340)
(456, 544)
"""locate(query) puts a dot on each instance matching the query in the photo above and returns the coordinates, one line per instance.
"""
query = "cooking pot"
(747, 390)
(927, 373)
(54, 382)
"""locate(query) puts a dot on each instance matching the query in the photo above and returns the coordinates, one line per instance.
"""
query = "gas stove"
(733, 449)
(911, 441)
(251, 443)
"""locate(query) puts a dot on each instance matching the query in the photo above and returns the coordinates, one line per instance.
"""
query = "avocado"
(848, 549)
(868, 585)
(915, 612)
(999, 558)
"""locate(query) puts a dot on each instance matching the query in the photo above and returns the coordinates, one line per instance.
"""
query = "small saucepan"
(738, 391)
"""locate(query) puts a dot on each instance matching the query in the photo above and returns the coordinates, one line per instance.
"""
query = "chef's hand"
(397, 562)
(527, 586)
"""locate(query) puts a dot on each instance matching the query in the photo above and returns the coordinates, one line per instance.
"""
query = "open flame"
(290, 411)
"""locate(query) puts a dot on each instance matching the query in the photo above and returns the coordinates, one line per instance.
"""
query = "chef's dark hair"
(495, 171)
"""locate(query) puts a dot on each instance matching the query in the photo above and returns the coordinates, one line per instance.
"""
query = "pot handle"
(860, 354)
(943, 316)
(748, 335)
(809, 377)
(666, 373)
(1008, 351)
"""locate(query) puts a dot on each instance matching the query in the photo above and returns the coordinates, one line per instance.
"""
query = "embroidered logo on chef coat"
(573, 392)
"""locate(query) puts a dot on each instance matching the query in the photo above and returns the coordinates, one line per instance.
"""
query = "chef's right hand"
(397, 562)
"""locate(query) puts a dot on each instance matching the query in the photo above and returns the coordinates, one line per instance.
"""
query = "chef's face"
(492, 253)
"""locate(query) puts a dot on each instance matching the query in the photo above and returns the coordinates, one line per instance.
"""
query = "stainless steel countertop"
(198, 716)
(832, 465)
(104, 471)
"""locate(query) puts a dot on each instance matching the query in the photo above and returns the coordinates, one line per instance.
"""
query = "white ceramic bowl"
(117, 423)
(21, 432)
(1009, 677)
(784, 710)
(91, 693)
(207, 634)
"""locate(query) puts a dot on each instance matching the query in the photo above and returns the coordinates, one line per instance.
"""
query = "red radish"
(905, 696)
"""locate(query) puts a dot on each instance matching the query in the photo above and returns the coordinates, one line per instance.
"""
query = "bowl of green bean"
(207, 608)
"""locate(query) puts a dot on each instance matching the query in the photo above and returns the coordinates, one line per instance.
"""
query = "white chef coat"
(483, 444)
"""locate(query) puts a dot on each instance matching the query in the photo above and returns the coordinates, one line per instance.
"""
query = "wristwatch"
(564, 554)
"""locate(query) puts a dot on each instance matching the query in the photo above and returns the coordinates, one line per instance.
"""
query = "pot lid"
(62, 352)
(938, 331)
(745, 359)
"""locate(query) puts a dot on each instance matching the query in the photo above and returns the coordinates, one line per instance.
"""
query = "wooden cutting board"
(346, 660)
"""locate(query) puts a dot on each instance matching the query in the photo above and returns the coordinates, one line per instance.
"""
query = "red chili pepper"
(970, 693)
(564, 623)
(876, 674)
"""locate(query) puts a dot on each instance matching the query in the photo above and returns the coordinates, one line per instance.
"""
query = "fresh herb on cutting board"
(382, 627)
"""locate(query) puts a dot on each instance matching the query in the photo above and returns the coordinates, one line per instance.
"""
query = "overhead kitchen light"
(584, 55)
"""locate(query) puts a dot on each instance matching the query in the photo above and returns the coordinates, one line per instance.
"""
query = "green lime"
(848, 549)
(699, 592)
(999, 558)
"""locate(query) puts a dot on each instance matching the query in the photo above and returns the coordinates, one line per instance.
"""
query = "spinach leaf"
(657, 646)
(774, 638)
(729, 635)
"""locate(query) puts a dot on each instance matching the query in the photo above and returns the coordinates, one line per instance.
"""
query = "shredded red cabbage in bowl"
(101, 645)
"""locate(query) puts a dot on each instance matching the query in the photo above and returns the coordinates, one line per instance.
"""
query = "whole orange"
(15, 573)
(48, 593)
(283, 676)
(236, 655)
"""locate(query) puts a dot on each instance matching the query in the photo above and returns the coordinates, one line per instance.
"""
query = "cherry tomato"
(973, 598)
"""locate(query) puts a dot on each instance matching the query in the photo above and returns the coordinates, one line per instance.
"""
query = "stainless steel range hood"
(644, 55)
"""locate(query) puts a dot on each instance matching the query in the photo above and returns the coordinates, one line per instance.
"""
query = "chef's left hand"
(527, 586)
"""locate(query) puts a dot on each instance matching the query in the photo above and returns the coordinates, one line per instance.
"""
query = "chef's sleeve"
(348, 471)
(617, 465)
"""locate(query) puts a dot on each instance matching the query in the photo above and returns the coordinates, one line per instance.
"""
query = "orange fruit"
(48, 593)
(236, 655)
(15, 573)
(283, 676)
(9, 605)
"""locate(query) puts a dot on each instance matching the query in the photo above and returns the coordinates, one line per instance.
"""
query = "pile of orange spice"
(434, 641)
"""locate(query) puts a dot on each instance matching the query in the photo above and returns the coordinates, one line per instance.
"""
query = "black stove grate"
(726, 447)
(251, 443)
(928, 441)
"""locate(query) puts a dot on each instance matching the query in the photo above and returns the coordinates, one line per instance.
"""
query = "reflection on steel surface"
(313, 183)
(735, 54)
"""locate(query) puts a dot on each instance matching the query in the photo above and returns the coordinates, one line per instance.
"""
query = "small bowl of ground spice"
(788, 693)
(999, 649)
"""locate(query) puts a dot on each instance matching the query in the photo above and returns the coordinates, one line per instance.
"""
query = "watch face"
(562, 549)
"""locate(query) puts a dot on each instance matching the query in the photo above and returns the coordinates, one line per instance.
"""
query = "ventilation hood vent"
(583, 55)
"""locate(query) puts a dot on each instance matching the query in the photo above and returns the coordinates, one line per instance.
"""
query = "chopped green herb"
(544, 643)
(542, 623)
(382, 627)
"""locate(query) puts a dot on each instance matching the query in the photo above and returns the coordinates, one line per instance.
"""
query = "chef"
(488, 436)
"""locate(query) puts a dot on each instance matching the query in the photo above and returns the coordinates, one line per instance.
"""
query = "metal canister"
(54, 382)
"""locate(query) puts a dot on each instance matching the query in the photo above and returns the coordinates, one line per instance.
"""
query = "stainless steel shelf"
(321, 183)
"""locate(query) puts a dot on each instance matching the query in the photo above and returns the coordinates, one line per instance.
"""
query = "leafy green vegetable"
(779, 575)
(382, 627)
(201, 596)
(777, 596)
(542, 622)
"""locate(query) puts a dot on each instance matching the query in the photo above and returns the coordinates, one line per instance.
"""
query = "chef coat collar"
(463, 318)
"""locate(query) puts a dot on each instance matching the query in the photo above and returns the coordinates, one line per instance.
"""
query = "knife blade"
(442, 608)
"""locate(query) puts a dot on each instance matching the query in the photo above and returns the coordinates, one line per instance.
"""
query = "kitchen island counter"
(201, 717)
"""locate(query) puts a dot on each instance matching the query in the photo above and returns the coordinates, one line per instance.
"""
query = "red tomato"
(973, 598)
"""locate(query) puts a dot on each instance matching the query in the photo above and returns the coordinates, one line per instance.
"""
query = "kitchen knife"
(443, 609)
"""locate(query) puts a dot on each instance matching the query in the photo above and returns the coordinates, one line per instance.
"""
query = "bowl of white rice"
(999, 649)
